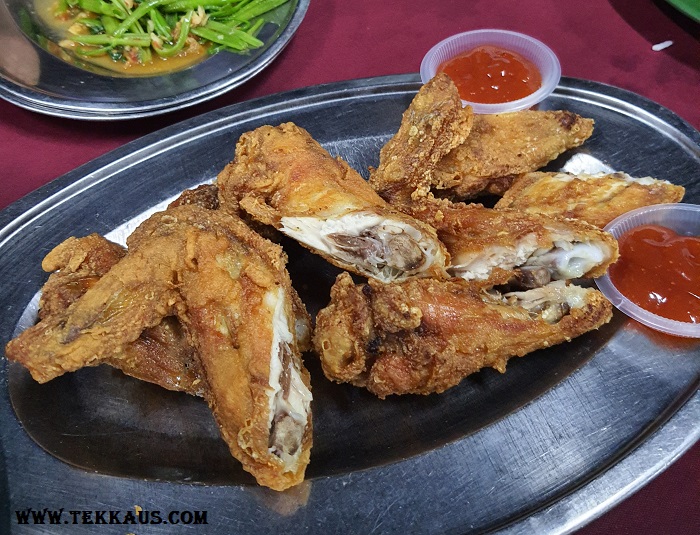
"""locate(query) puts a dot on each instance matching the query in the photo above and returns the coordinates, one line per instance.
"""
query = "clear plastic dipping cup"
(532, 49)
(683, 219)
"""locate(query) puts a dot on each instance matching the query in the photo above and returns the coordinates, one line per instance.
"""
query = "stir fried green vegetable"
(131, 31)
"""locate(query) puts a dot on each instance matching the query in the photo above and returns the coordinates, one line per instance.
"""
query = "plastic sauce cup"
(531, 49)
(683, 219)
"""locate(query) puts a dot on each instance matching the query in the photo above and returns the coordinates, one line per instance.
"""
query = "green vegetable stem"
(116, 27)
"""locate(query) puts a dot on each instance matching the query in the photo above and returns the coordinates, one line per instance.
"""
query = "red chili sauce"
(492, 75)
(660, 271)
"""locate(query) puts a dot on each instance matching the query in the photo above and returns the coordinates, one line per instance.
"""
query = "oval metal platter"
(558, 439)
(35, 79)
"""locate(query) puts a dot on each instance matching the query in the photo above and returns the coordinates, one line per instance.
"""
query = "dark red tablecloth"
(608, 41)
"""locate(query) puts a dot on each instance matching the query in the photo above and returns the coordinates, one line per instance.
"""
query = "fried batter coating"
(504, 145)
(75, 265)
(424, 335)
(161, 354)
(282, 177)
(597, 199)
(488, 244)
(433, 125)
(205, 196)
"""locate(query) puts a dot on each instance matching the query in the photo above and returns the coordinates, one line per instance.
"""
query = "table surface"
(606, 41)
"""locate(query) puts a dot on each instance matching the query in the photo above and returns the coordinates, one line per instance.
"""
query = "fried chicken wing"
(282, 177)
(597, 199)
(135, 294)
(424, 335)
(496, 245)
(230, 290)
(161, 354)
(239, 310)
(434, 124)
(504, 145)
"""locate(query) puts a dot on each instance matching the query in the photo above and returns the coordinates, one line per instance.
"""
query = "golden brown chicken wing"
(161, 354)
(495, 245)
(597, 199)
(434, 124)
(423, 335)
(282, 177)
(504, 145)
(230, 290)
(135, 294)
(239, 309)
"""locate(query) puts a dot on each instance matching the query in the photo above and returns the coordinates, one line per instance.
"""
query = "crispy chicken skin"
(282, 177)
(230, 290)
(434, 124)
(204, 196)
(161, 354)
(495, 245)
(504, 145)
(424, 335)
(75, 265)
(597, 199)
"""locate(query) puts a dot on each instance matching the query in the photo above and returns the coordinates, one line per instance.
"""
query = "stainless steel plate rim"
(671, 433)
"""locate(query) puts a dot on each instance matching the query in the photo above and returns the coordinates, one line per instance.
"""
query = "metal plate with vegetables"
(117, 59)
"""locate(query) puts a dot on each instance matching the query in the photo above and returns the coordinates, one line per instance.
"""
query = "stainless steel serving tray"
(35, 79)
(561, 437)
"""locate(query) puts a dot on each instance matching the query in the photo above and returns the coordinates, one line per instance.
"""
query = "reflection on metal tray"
(559, 438)
(36, 79)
